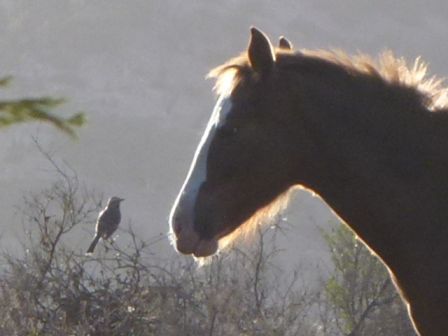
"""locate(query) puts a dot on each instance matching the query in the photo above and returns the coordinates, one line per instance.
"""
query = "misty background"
(137, 69)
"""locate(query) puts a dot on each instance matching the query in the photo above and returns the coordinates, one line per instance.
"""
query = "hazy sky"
(137, 69)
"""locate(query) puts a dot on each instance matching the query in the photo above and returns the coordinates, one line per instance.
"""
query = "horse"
(369, 136)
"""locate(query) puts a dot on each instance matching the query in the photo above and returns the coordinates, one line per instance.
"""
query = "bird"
(107, 222)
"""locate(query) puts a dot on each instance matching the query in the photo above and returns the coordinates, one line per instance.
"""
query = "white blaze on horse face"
(197, 173)
(198, 169)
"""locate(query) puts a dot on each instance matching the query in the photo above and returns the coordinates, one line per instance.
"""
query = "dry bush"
(51, 288)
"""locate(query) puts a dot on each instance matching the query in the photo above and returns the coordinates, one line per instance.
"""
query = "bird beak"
(121, 199)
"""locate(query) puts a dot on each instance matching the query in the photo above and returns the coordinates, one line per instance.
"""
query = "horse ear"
(260, 51)
(284, 43)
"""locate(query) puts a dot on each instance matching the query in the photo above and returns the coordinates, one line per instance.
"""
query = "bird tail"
(93, 244)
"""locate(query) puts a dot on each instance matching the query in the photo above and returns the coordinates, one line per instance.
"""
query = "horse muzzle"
(187, 240)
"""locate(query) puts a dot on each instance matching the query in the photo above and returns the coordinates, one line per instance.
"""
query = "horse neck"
(373, 171)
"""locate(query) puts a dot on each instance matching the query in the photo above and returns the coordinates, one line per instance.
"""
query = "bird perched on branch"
(107, 221)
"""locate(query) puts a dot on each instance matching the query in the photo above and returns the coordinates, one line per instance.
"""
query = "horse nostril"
(177, 227)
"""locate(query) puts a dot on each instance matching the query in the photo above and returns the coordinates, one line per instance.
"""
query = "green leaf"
(5, 80)
(37, 109)
(78, 119)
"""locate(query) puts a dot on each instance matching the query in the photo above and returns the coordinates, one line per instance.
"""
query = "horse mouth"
(186, 240)
(206, 248)
(199, 248)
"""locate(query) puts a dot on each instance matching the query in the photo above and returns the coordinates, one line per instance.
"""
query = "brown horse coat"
(371, 138)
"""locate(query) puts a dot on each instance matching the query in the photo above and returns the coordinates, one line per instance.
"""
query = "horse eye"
(228, 131)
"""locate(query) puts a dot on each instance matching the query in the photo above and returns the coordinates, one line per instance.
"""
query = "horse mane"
(388, 68)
